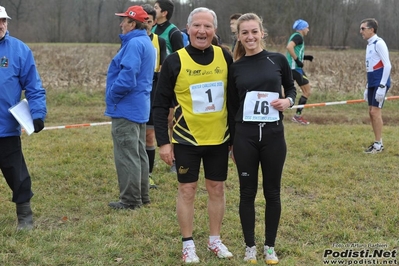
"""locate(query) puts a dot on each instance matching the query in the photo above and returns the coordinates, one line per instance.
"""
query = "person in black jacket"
(160, 51)
(256, 104)
(173, 37)
(233, 29)
(195, 79)
(164, 28)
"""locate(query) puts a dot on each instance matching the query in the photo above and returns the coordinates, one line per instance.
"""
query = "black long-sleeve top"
(265, 71)
(164, 94)
(176, 40)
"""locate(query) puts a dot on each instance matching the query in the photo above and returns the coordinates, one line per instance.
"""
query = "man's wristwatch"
(291, 101)
(382, 86)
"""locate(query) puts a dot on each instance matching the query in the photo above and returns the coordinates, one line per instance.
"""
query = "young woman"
(256, 105)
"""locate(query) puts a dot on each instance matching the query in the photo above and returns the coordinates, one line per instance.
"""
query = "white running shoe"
(189, 255)
(375, 148)
(219, 249)
(250, 255)
(270, 255)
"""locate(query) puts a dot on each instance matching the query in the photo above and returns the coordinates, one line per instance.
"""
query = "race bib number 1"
(257, 107)
(207, 97)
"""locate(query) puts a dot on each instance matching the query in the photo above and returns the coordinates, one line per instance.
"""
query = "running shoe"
(250, 255)
(152, 183)
(122, 206)
(219, 249)
(300, 120)
(270, 255)
(189, 255)
(373, 148)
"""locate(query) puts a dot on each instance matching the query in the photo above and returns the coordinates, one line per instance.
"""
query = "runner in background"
(296, 56)
(160, 54)
(378, 68)
(233, 29)
(173, 37)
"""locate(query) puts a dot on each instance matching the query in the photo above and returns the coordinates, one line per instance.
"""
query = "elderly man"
(195, 77)
(17, 73)
(127, 97)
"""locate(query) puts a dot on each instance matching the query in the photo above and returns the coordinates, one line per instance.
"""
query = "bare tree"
(16, 7)
(332, 22)
(99, 14)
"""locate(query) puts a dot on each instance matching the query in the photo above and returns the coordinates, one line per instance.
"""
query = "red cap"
(135, 12)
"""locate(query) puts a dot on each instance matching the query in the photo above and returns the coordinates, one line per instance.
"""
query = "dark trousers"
(264, 146)
(13, 167)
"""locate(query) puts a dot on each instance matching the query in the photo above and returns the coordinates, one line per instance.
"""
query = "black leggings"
(266, 145)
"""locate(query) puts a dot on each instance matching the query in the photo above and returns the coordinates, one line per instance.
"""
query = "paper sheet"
(21, 112)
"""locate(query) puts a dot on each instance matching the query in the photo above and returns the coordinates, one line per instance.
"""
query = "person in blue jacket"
(18, 73)
(127, 97)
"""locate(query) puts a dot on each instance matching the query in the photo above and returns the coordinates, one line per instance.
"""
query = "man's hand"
(308, 57)
(380, 94)
(298, 63)
(365, 94)
(38, 124)
(166, 153)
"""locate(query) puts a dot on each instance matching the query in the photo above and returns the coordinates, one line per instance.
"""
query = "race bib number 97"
(257, 107)
(207, 97)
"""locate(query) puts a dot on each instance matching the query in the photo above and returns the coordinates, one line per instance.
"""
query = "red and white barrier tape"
(78, 125)
(295, 106)
(340, 102)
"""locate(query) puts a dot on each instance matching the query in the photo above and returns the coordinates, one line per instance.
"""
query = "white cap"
(3, 13)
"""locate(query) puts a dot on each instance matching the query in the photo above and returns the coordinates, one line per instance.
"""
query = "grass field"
(333, 195)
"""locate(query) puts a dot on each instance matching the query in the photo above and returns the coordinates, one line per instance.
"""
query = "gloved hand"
(308, 57)
(298, 63)
(380, 94)
(365, 95)
(38, 125)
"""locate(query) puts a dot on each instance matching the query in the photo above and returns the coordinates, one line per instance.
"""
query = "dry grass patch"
(331, 191)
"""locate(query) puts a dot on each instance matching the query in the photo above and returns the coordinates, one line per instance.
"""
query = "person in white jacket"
(378, 69)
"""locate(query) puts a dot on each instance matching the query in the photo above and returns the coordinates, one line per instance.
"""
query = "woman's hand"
(281, 104)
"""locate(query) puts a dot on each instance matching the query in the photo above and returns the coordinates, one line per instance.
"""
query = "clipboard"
(21, 113)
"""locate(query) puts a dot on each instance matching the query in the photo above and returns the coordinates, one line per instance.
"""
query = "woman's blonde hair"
(239, 50)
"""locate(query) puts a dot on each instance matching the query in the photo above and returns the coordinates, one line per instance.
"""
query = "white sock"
(213, 238)
(377, 144)
(188, 243)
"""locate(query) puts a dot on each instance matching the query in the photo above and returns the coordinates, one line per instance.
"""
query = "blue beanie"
(300, 24)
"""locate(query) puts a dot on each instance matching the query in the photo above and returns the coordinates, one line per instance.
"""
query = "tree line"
(333, 23)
